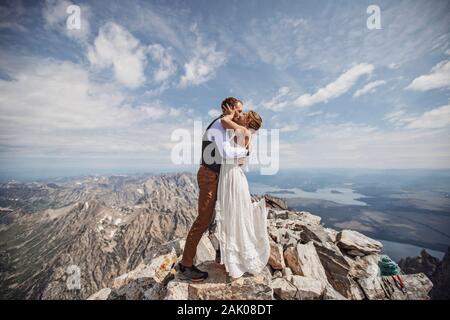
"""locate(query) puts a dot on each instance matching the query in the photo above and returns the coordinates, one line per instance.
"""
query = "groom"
(215, 147)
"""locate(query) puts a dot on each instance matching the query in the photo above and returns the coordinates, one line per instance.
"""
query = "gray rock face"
(336, 267)
(276, 260)
(437, 271)
(307, 288)
(357, 244)
(219, 286)
(104, 226)
(125, 234)
(417, 287)
(307, 262)
(284, 289)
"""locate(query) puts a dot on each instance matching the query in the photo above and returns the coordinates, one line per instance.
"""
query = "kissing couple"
(241, 225)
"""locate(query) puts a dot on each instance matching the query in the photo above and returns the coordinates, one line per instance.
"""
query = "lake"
(342, 195)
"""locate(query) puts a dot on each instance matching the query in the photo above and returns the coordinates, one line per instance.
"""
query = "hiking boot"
(192, 273)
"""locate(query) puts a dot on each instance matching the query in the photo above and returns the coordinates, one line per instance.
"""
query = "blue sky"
(109, 96)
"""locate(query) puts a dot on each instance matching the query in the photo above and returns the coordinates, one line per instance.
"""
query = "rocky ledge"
(307, 261)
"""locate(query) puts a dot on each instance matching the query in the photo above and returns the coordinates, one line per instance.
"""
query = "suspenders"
(205, 143)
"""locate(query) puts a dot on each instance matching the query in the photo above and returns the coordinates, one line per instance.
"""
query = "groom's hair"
(231, 101)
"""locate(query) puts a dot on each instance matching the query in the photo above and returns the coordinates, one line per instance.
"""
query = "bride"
(241, 224)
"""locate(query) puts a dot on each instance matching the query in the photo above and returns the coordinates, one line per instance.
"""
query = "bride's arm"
(242, 134)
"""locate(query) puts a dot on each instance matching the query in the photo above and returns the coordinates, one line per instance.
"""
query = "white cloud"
(279, 102)
(214, 113)
(166, 65)
(55, 16)
(397, 118)
(65, 113)
(351, 145)
(437, 118)
(117, 48)
(369, 88)
(289, 127)
(393, 65)
(203, 64)
(336, 88)
(439, 77)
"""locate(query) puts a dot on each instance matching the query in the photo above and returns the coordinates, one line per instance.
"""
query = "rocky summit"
(307, 262)
(121, 237)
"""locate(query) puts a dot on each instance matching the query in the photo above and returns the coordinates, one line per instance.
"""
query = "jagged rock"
(336, 267)
(205, 251)
(288, 238)
(283, 289)
(277, 274)
(312, 232)
(310, 263)
(357, 244)
(136, 289)
(417, 287)
(107, 225)
(101, 295)
(157, 269)
(425, 263)
(274, 202)
(218, 285)
(331, 294)
(287, 272)
(332, 234)
(291, 259)
(307, 288)
(153, 251)
(303, 260)
(276, 260)
(356, 292)
(308, 218)
(371, 282)
(363, 267)
(273, 233)
(177, 290)
(441, 279)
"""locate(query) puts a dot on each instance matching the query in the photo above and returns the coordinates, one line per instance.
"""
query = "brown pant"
(207, 182)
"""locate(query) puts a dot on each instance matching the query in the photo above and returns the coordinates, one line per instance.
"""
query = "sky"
(108, 96)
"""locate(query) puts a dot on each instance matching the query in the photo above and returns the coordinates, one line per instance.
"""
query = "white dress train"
(241, 224)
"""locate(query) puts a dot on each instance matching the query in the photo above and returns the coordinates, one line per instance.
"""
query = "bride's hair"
(255, 121)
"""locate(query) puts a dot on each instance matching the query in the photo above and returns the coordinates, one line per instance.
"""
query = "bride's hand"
(228, 111)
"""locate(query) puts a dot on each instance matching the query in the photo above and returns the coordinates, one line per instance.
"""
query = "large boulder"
(312, 232)
(157, 269)
(357, 244)
(103, 294)
(307, 288)
(371, 282)
(303, 260)
(331, 294)
(275, 203)
(219, 286)
(276, 260)
(336, 267)
(283, 289)
(417, 287)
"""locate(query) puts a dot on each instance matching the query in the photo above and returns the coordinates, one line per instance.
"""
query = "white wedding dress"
(241, 224)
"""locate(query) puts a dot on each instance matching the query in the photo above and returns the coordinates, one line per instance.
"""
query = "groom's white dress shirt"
(218, 134)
